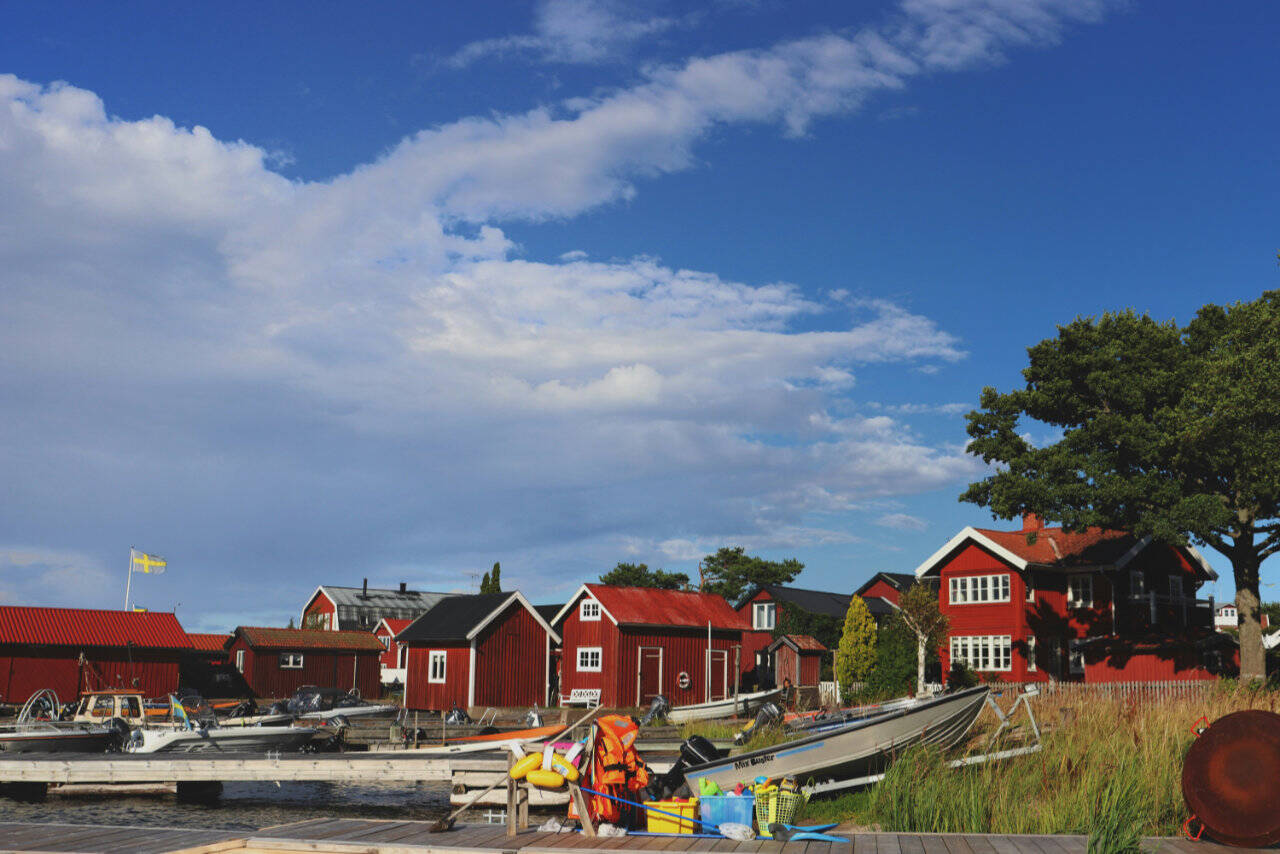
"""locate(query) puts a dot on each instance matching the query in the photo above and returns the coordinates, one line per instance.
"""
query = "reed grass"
(1108, 769)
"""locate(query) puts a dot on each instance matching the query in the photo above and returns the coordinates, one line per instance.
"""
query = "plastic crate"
(723, 809)
(659, 823)
(773, 805)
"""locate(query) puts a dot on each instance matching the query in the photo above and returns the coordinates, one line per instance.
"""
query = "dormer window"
(589, 610)
(764, 616)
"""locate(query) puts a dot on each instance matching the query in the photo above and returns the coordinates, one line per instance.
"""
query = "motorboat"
(247, 739)
(823, 721)
(315, 703)
(858, 748)
(741, 704)
(38, 730)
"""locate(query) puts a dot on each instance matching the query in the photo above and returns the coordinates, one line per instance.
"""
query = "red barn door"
(718, 678)
(649, 679)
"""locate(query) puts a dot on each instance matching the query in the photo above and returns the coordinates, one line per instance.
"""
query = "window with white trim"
(983, 652)
(1031, 653)
(1137, 583)
(1080, 591)
(589, 659)
(437, 660)
(764, 616)
(971, 589)
(386, 641)
(240, 660)
(588, 610)
(1029, 583)
(1175, 586)
(290, 661)
(1075, 661)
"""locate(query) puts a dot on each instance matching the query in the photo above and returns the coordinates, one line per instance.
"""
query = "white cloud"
(54, 577)
(902, 522)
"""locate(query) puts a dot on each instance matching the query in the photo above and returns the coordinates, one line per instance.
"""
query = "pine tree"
(484, 583)
(856, 655)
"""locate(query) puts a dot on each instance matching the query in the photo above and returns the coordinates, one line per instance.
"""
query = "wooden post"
(580, 806)
(512, 794)
(415, 728)
(526, 794)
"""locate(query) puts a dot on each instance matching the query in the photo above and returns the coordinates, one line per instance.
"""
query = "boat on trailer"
(857, 749)
(741, 705)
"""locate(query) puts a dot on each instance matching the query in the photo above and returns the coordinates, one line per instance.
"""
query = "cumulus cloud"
(902, 522)
(362, 371)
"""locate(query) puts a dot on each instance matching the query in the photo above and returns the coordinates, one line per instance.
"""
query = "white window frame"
(764, 616)
(434, 657)
(1031, 653)
(588, 653)
(1031, 589)
(1137, 583)
(984, 653)
(291, 660)
(240, 660)
(1075, 657)
(386, 642)
(589, 610)
(989, 589)
(1175, 587)
(1079, 601)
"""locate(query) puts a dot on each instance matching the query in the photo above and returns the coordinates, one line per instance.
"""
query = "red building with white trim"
(797, 660)
(1042, 604)
(625, 645)
(75, 649)
(481, 649)
(395, 657)
(766, 604)
(277, 662)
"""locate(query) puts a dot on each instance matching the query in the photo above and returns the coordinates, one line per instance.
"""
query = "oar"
(447, 822)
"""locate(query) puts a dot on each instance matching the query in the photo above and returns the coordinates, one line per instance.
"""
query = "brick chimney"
(404, 585)
(1031, 522)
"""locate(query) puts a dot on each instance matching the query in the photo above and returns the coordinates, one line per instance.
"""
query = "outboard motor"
(120, 733)
(457, 716)
(768, 715)
(696, 750)
(280, 707)
(657, 710)
(532, 718)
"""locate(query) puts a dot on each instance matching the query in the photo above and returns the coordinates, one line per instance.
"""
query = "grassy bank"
(1108, 768)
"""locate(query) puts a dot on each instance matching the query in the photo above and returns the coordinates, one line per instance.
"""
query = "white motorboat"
(743, 704)
(38, 730)
(246, 739)
(858, 748)
(325, 704)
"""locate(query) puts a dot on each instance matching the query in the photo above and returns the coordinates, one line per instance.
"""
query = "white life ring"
(683, 680)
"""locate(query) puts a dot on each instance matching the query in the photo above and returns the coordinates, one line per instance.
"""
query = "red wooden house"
(336, 608)
(765, 604)
(73, 649)
(212, 647)
(277, 662)
(888, 586)
(482, 649)
(1045, 604)
(797, 660)
(625, 645)
(395, 655)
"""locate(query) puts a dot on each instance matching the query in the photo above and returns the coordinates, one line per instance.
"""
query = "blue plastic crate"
(723, 809)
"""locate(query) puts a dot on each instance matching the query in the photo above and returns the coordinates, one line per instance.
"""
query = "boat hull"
(228, 740)
(55, 742)
(859, 749)
(742, 705)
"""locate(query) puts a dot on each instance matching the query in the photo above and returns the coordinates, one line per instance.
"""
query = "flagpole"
(129, 580)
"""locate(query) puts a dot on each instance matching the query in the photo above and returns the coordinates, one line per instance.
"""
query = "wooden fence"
(1117, 690)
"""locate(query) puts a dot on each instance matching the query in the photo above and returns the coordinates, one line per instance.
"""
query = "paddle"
(447, 822)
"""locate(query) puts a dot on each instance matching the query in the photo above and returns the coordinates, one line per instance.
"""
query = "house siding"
(755, 643)
(325, 668)
(438, 696)
(319, 605)
(511, 660)
(27, 669)
(883, 590)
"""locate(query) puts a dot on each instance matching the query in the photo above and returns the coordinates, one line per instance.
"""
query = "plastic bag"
(739, 832)
(551, 825)
(607, 829)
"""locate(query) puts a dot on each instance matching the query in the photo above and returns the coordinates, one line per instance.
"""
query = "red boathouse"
(73, 649)
(277, 662)
(625, 645)
(797, 658)
(481, 649)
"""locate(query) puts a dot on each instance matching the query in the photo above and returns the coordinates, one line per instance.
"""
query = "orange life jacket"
(616, 767)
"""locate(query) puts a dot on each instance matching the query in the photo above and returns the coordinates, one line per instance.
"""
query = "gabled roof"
(813, 601)
(649, 606)
(462, 617)
(800, 643)
(89, 627)
(879, 606)
(548, 612)
(901, 581)
(1054, 548)
(262, 637)
(209, 642)
(394, 626)
(379, 597)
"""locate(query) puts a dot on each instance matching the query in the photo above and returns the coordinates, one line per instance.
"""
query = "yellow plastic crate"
(659, 823)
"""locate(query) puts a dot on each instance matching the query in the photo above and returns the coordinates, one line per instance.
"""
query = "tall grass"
(1108, 769)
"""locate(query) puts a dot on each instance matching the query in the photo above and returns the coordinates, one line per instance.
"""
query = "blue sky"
(302, 293)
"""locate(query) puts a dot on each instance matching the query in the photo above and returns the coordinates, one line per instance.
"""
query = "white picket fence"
(1119, 690)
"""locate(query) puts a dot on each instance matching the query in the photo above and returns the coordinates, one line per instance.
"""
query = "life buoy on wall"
(683, 680)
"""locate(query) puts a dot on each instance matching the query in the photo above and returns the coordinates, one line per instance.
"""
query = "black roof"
(879, 607)
(453, 617)
(903, 581)
(548, 612)
(813, 601)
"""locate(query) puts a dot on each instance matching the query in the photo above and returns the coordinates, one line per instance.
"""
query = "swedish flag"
(143, 562)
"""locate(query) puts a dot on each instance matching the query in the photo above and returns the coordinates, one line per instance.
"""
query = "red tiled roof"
(652, 607)
(261, 637)
(1056, 547)
(807, 642)
(208, 643)
(88, 627)
(396, 626)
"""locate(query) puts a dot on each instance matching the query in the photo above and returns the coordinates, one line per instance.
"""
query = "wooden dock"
(360, 836)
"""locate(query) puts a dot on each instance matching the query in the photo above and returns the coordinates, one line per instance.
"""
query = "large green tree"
(730, 571)
(1166, 431)
(856, 655)
(639, 575)
(918, 608)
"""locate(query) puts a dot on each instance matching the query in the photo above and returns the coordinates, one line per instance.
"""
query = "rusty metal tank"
(1231, 779)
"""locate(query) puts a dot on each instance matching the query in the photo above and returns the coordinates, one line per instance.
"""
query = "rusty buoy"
(1231, 779)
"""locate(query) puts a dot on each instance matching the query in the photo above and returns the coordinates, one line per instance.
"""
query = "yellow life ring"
(545, 779)
(564, 767)
(525, 765)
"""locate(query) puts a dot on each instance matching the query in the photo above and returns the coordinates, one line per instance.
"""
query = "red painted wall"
(883, 590)
(511, 660)
(324, 668)
(25, 670)
(577, 633)
(756, 642)
(1170, 663)
(389, 657)
(802, 668)
(438, 696)
(320, 604)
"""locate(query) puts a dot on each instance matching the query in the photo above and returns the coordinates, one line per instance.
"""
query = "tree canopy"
(856, 655)
(918, 608)
(1165, 431)
(492, 581)
(731, 571)
(639, 575)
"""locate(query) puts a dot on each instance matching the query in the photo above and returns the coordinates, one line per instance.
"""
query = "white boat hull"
(224, 739)
(742, 705)
(349, 712)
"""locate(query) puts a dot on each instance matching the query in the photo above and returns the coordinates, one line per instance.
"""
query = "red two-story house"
(1042, 603)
